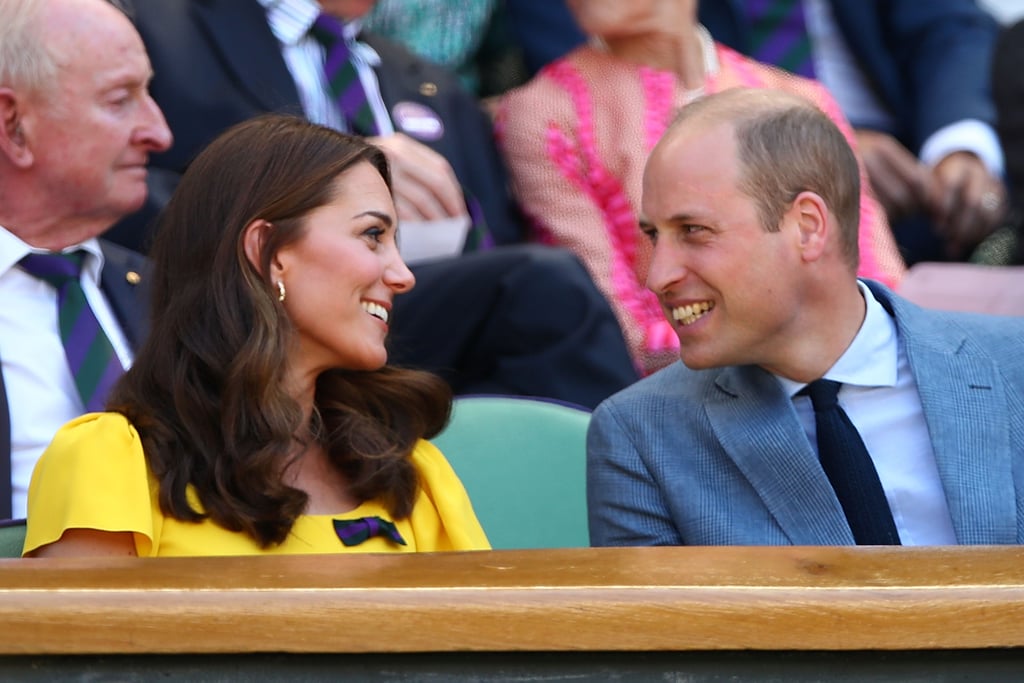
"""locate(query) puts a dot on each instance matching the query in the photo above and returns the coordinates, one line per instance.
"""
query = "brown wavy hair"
(205, 391)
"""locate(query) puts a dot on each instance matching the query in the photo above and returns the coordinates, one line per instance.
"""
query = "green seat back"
(12, 537)
(523, 463)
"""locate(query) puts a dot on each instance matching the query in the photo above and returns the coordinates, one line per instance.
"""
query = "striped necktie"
(90, 356)
(778, 35)
(342, 76)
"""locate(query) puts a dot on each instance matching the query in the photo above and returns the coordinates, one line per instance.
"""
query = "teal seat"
(523, 463)
(12, 537)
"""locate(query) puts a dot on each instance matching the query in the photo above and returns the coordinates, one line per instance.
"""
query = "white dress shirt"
(879, 394)
(41, 393)
(290, 21)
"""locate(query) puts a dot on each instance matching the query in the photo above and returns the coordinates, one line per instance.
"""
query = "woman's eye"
(376, 234)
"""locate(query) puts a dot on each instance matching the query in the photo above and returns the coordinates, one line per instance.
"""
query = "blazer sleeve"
(943, 50)
(625, 505)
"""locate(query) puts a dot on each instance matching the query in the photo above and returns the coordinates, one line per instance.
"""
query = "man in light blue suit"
(750, 203)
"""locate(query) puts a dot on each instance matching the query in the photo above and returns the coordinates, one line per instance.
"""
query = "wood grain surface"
(611, 599)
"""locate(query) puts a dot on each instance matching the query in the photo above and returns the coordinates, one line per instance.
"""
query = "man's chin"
(131, 200)
(699, 361)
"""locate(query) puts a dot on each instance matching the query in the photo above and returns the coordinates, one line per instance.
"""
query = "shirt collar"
(290, 20)
(13, 249)
(872, 358)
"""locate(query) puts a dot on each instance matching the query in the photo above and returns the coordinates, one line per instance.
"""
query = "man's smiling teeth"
(691, 313)
(376, 310)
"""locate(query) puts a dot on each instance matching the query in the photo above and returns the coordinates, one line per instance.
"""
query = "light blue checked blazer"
(718, 457)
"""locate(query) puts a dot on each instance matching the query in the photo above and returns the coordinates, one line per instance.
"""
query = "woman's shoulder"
(109, 429)
(100, 443)
(435, 471)
(428, 459)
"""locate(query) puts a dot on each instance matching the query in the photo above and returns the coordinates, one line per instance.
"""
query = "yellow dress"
(94, 476)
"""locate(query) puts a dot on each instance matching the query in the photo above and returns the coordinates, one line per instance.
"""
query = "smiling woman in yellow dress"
(261, 415)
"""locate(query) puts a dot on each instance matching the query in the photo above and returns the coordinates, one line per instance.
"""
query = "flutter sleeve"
(93, 475)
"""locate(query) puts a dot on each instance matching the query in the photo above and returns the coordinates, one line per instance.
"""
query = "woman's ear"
(254, 237)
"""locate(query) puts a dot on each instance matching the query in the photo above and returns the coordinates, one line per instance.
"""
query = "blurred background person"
(913, 79)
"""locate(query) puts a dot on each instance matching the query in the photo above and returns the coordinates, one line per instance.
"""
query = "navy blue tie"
(849, 468)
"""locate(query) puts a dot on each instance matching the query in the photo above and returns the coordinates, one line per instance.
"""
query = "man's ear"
(254, 238)
(812, 222)
(13, 141)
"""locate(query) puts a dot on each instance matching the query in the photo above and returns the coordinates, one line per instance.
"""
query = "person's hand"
(972, 202)
(904, 186)
(424, 183)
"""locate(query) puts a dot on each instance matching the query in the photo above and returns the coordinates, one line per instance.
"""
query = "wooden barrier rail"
(615, 600)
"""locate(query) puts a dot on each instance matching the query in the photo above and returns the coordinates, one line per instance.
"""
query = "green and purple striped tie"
(342, 77)
(91, 358)
(778, 35)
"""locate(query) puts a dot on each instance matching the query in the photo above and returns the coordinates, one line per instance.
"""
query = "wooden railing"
(623, 600)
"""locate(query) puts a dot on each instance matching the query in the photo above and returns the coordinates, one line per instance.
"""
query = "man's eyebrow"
(677, 219)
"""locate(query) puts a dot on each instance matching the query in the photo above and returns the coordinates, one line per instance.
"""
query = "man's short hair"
(786, 146)
(25, 63)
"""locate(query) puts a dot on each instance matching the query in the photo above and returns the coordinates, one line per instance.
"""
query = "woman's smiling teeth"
(691, 313)
(376, 310)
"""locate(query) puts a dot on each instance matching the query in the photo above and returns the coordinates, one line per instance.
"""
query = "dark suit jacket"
(216, 63)
(130, 304)
(928, 60)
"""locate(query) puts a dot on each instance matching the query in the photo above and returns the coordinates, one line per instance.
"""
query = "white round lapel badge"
(417, 120)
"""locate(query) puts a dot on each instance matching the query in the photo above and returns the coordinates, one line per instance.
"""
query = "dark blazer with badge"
(124, 282)
(216, 63)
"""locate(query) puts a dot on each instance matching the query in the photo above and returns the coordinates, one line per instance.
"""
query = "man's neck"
(52, 233)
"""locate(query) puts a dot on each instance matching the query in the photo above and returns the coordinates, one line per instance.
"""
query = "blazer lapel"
(965, 408)
(757, 426)
(124, 281)
(239, 31)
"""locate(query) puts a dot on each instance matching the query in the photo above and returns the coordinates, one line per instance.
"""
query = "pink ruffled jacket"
(576, 138)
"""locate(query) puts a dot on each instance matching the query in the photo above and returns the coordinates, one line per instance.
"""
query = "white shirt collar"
(872, 359)
(13, 249)
(290, 21)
